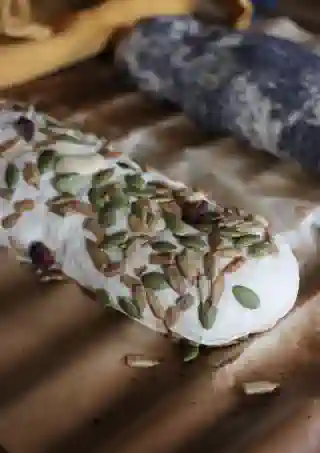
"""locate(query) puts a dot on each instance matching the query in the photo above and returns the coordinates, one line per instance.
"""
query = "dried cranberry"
(41, 256)
(25, 128)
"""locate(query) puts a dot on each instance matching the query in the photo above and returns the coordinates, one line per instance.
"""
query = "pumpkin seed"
(154, 304)
(96, 199)
(154, 280)
(187, 264)
(138, 208)
(214, 240)
(175, 279)
(246, 241)
(234, 265)
(46, 160)
(172, 221)
(229, 232)
(93, 226)
(129, 281)
(107, 216)
(6, 193)
(8, 145)
(114, 240)
(10, 220)
(119, 199)
(138, 361)
(217, 289)
(161, 258)
(163, 246)
(102, 177)
(207, 313)
(193, 242)
(190, 352)
(98, 257)
(185, 302)
(68, 183)
(24, 205)
(134, 182)
(128, 307)
(209, 264)
(171, 317)
(12, 175)
(104, 298)
(246, 297)
(259, 249)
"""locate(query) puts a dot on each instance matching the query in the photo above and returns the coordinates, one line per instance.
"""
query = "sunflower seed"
(139, 298)
(163, 246)
(171, 317)
(8, 145)
(10, 220)
(136, 225)
(231, 233)
(46, 160)
(114, 240)
(193, 242)
(207, 314)
(138, 361)
(246, 297)
(235, 265)
(102, 177)
(104, 298)
(128, 307)
(24, 205)
(31, 174)
(187, 264)
(259, 249)
(98, 257)
(217, 289)
(175, 279)
(11, 175)
(93, 226)
(69, 183)
(227, 252)
(209, 264)
(154, 304)
(155, 281)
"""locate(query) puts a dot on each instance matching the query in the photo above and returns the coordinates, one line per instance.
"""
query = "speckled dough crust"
(147, 246)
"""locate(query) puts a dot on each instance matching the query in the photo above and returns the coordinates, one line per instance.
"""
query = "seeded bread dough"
(147, 246)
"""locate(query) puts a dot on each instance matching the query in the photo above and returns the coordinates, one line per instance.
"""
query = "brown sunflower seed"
(194, 242)
(8, 145)
(171, 317)
(99, 258)
(185, 302)
(187, 264)
(246, 241)
(139, 298)
(234, 265)
(10, 221)
(139, 361)
(129, 281)
(135, 224)
(24, 205)
(114, 240)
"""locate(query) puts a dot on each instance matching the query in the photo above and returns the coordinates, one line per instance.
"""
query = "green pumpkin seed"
(114, 240)
(12, 175)
(232, 233)
(96, 198)
(102, 177)
(163, 246)
(209, 264)
(246, 241)
(207, 314)
(259, 249)
(246, 297)
(46, 161)
(185, 302)
(192, 242)
(190, 352)
(155, 281)
(175, 279)
(11, 220)
(128, 307)
(172, 221)
(138, 208)
(119, 200)
(104, 298)
(139, 298)
(154, 304)
(69, 183)
(134, 182)
(217, 289)
(107, 216)
(129, 281)
(98, 257)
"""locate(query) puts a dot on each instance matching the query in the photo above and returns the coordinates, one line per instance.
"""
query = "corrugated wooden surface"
(63, 384)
